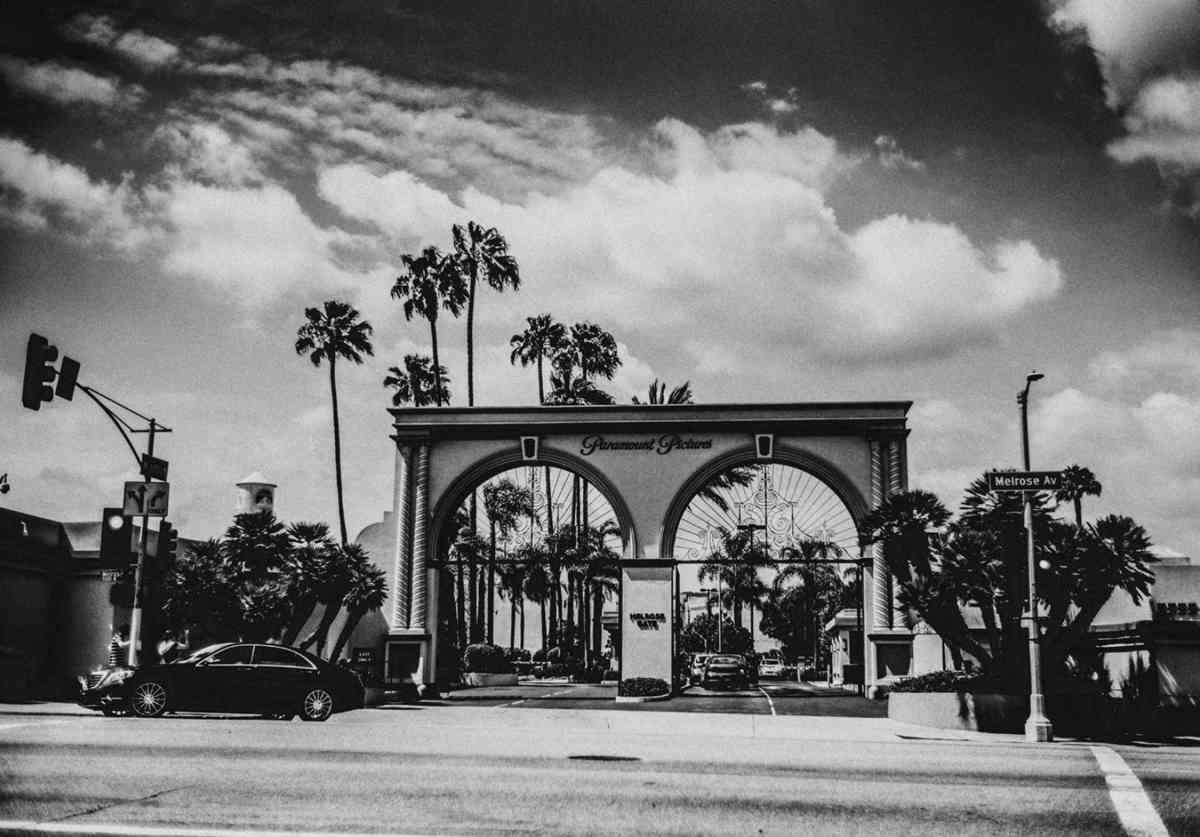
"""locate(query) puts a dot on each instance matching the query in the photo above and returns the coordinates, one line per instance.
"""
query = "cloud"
(1147, 53)
(38, 192)
(254, 243)
(891, 156)
(68, 85)
(147, 51)
(728, 235)
(1133, 425)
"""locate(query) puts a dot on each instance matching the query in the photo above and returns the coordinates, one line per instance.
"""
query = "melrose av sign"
(661, 445)
(1024, 480)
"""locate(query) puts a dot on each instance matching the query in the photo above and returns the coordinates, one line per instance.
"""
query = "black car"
(272, 680)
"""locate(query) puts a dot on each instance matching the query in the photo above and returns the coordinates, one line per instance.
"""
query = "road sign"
(147, 498)
(154, 468)
(1024, 480)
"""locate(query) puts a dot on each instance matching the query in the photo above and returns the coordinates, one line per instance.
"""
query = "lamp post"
(1037, 726)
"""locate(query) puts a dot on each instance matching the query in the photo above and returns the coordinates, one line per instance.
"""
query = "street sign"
(154, 468)
(1024, 480)
(147, 498)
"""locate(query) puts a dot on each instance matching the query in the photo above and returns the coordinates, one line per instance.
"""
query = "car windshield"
(195, 656)
(725, 661)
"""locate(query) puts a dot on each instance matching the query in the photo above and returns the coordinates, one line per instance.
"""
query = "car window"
(725, 661)
(274, 655)
(232, 655)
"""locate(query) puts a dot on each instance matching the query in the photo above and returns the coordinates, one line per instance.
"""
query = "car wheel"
(317, 705)
(149, 699)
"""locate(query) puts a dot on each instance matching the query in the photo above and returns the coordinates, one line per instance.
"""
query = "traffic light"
(39, 372)
(168, 543)
(68, 374)
(116, 539)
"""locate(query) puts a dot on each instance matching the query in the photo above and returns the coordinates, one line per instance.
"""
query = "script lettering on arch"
(661, 445)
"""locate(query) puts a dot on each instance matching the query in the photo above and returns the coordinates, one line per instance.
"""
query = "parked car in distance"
(697, 668)
(770, 667)
(271, 680)
(725, 671)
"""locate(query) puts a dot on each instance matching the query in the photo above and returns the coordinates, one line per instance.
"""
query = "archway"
(648, 461)
(768, 567)
(534, 535)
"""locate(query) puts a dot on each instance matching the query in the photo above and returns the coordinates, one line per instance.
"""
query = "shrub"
(486, 659)
(937, 681)
(610, 675)
(539, 656)
(516, 655)
(592, 674)
(643, 687)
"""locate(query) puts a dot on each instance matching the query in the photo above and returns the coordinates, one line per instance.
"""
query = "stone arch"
(496, 463)
(838, 482)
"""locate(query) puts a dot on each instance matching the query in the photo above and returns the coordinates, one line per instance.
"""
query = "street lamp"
(1037, 725)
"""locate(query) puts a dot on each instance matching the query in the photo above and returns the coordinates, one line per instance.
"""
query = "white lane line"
(770, 702)
(1134, 809)
(27, 826)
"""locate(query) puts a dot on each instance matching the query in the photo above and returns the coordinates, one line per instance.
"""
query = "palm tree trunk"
(320, 633)
(337, 451)
(512, 620)
(471, 344)
(304, 611)
(437, 369)
(473, 633)
(522, 619)
(352, 621)
(1078, 512)
(597, 615)
(461, 605)
(541, 384)
(542, 613)
(491, 587)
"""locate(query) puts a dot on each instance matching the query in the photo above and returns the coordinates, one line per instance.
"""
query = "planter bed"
(477, 678)
(641, 698)
(960, 710)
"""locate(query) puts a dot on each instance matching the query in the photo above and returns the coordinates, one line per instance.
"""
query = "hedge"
(643, 687)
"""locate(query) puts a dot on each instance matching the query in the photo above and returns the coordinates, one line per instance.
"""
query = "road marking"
(538, 697)
(30, 826)
(770, 702)
(1134, 809)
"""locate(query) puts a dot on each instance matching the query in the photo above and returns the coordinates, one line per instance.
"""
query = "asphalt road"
(467, 768)
(768, 697)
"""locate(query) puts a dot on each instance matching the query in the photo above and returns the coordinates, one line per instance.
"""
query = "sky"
(776, 202)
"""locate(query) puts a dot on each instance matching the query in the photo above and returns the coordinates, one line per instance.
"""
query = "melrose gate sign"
(857, 449)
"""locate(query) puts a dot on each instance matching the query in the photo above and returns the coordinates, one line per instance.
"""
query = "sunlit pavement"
(768, 697)
(470, 768)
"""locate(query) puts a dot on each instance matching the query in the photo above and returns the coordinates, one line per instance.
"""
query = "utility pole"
(1037, 726)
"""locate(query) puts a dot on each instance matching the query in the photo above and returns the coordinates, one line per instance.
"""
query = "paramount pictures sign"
(661, 445)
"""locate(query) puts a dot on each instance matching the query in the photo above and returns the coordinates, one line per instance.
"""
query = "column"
(881, 591)
(895, 484)
(420, 538)
(402, 514)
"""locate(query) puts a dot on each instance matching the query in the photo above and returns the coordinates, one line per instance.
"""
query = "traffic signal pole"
(135, 618)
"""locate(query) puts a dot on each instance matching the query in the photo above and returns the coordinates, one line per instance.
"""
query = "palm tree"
(1077, 481)
(537, 590)
(308, 567)
(418, 383)
(481, 255)
(431, 282)
(657, 394)
(541, 339)
(595, 351)
(736, 564)
(366, 591)
(329, 334)
(505, 504)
